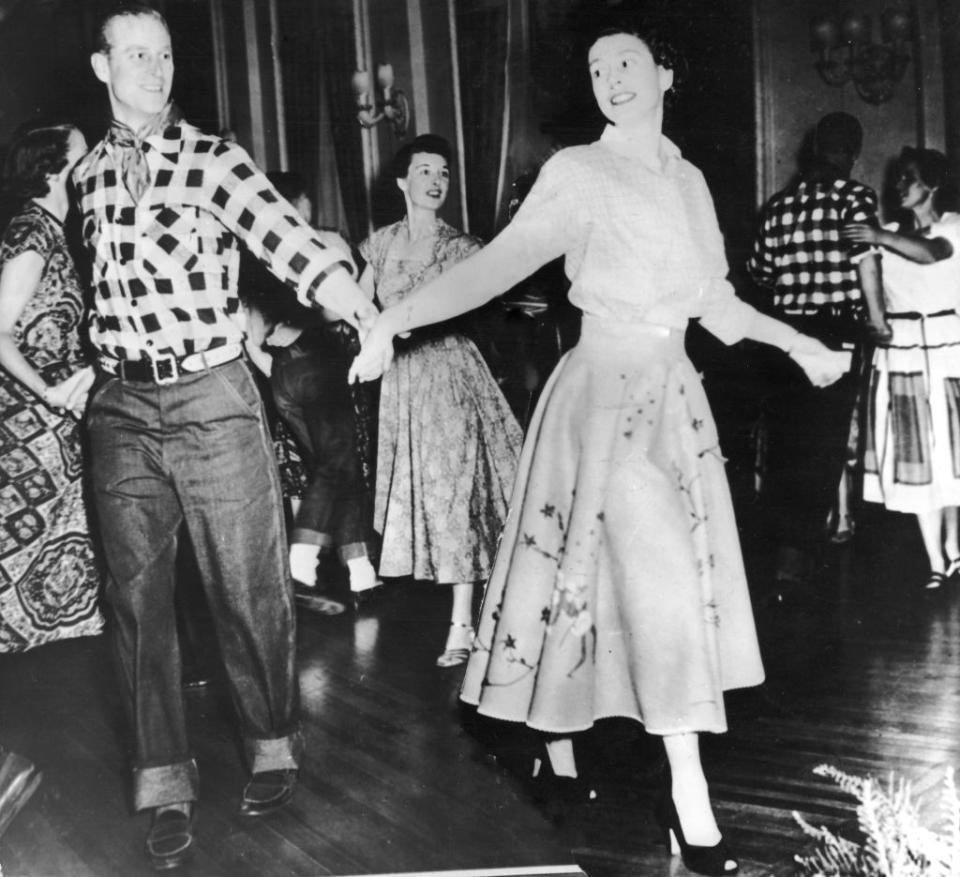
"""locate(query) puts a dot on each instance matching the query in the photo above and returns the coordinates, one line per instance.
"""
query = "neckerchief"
(133, 161)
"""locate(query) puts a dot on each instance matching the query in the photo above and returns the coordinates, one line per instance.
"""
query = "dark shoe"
(267, 791)
(315, 602)
(712, 861)
(934, 581)
(170, 838)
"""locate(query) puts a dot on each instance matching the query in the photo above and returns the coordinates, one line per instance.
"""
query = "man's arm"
(247, 204)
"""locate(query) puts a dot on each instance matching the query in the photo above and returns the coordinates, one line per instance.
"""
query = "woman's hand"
(861, 233)
(71, 394)
(821, 365)
(376, 353)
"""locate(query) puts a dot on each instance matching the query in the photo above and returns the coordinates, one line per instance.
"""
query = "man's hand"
(375, 356)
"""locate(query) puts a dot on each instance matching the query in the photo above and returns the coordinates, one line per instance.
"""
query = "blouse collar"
(613, 137)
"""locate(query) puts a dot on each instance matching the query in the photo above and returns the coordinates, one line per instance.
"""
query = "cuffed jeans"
(195, 451)
(311, 393)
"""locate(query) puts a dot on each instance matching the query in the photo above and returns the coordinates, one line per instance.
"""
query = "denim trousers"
(194, 452)
(311, 394)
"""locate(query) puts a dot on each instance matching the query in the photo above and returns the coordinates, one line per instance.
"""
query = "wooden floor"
(864, 675)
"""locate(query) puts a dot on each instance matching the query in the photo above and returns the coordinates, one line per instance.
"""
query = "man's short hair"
(123, 9)
(837, 135)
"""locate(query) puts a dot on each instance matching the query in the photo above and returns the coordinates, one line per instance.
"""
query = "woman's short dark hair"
(431, 144)
(934, 172)
(654, 30)
(34, 155)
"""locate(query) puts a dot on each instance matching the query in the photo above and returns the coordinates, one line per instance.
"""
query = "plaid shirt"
(798, 251)
(165, 269)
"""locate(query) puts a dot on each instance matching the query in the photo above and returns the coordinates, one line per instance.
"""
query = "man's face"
(138, 70)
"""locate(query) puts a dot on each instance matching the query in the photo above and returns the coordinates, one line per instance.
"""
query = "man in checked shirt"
(831, 290)
(175, 421)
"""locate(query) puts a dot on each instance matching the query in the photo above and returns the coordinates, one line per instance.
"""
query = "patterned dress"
(49, 575)
(448, 441)
(912, 441)
(619, 587)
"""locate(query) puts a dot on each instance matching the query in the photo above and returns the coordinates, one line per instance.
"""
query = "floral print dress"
(448, 442)
(49, 575)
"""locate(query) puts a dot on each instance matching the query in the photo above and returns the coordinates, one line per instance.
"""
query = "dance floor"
(863, 674)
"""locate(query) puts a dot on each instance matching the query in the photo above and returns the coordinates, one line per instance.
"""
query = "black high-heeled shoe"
(710, 861)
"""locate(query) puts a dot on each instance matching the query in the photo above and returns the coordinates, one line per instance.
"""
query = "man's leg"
(139, 515)
(229, 486)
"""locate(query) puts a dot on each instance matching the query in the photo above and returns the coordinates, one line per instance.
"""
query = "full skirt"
(49, 573)
(619, 587)
(446, 460)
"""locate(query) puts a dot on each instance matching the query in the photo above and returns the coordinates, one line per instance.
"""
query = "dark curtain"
(323, 138)
(482, 46)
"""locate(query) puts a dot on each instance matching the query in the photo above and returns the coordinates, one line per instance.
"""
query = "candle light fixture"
(846, 51)
(384, 102)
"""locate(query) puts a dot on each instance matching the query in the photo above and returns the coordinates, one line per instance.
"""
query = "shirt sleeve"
(25, 235)
(861, 207)
(247, 204)
(762, 265)
(546, 226)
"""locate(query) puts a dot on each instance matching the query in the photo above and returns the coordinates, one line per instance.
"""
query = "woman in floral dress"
(448, 441)
(619, 587)
(49, 576)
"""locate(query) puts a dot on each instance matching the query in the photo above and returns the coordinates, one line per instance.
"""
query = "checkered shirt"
(165, 269)
(798, 252)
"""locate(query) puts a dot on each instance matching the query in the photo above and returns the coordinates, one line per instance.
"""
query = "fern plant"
(893, 842)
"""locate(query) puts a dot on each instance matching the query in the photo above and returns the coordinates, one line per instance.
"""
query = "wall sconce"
(391, 103)
(874, 68)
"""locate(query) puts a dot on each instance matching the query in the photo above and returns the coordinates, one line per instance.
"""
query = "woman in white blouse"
(619, 587)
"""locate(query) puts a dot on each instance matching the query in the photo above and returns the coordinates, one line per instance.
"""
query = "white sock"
(303, 563)
(362, 574)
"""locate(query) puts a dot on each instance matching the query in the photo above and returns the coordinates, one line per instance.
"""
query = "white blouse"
(641, 243)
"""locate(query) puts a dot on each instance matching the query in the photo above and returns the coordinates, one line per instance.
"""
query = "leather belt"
(167, 368)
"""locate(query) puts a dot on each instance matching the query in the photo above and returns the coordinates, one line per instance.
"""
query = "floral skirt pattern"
(446, 459)
(912, 422)
(49, 574)
(619, 587)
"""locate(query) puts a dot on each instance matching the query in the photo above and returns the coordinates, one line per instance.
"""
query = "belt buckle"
(164, 368)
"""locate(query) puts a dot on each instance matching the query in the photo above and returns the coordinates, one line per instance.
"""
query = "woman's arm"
(919, 249)
(467, 285)
(18, 282)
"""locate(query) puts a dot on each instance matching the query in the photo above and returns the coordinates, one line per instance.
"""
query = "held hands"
(376, 353)
(821, 365)
(71, 393)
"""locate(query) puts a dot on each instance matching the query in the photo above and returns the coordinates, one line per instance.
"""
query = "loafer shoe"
(170, 838)
(268, 790)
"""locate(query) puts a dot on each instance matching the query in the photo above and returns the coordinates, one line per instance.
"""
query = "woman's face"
(913, 192)
(427, 181)
(76, 149)
(627, 83)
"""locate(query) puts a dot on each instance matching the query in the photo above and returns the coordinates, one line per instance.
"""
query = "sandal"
(934, 581)
(953, 567)
(454, 655)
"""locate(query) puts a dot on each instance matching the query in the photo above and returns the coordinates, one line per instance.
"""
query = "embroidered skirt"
(618, 588)
(912, 429)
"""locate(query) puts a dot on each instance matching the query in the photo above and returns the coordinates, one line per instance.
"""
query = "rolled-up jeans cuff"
(306, 536)
(277, 753)
(168, 784)
(353, 550)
